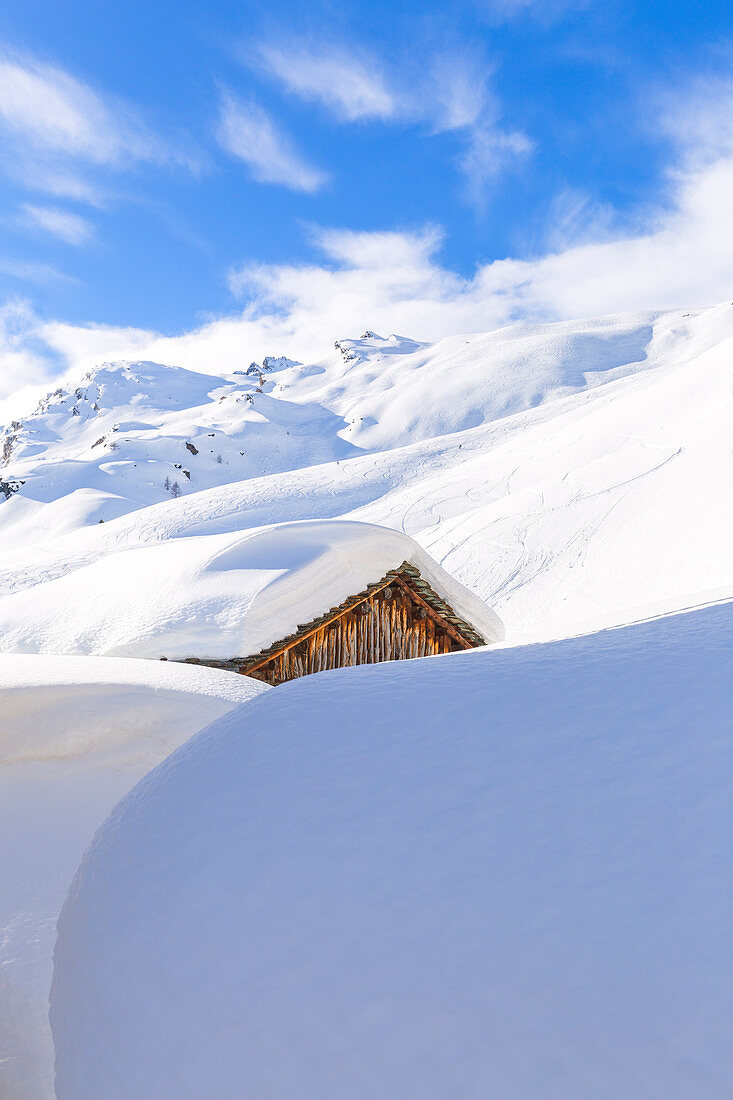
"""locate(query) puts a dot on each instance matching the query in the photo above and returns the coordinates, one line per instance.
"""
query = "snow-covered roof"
(219, 596)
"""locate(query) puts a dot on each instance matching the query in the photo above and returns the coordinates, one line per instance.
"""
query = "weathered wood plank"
(445, 625)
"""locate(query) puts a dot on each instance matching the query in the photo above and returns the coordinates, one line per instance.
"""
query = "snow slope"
(395, 391)
(75, 734)
(495, 873)
(610, 497)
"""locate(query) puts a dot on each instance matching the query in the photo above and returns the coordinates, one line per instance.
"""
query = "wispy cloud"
(246, 131)
(542, 11)
(446, 90)
(491, 151)
(55, 130)
(450, 90)
(350, 85)
(395, 282)
(455, 92)
(50, 111)
(457, 95)
(67, 226)
(576, 217)
(31, 272)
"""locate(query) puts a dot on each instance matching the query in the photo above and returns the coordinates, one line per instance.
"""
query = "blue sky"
(166, 165)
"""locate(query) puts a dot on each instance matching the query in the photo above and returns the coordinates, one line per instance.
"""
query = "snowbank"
(495, 873)
(75, 734)
(220, 595)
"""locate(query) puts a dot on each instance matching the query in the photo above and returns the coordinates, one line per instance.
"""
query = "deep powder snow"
(75, 734)
(487, 874)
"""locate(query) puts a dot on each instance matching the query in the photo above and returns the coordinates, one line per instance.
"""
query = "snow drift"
(75, 734)
(494, 873)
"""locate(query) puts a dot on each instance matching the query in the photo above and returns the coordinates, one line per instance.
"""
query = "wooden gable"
(396, 618)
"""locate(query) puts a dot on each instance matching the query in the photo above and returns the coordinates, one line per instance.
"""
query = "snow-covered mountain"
(125, 433)
(132, 434)
(572, 475)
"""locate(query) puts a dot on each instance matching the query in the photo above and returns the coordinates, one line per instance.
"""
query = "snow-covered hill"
(502, 873)
(585, 477)
(132, 434)
(125, 433)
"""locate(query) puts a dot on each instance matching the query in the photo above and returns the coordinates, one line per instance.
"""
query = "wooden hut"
(395, 618)
(290, 599)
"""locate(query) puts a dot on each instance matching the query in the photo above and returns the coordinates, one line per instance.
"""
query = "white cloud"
(490, 152)
(350, 85)
(25, 360)
(68, 227)
(395, 282)
(699, 118)
(247, 131)
(55, 130)
(446, 91)
(679, 255)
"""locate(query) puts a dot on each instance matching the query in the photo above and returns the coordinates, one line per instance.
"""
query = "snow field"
(499, 872)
